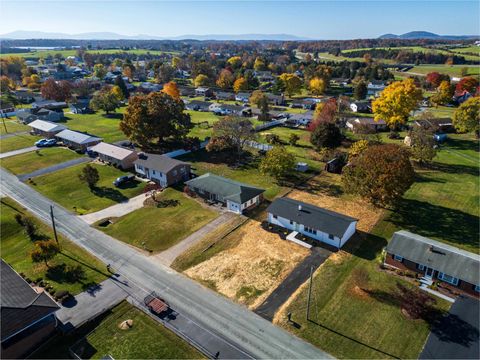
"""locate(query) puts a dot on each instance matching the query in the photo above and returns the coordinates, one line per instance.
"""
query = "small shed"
(301, 166)
(334, 166)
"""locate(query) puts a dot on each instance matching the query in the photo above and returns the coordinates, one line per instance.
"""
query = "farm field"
(65, 187)
(158, 228)
(17, 142)
(16, 247)
(146, 339)
(452, 70)
(65, 53)
(35, 160)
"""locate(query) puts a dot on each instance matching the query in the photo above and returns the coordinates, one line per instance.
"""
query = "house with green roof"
(236, 196)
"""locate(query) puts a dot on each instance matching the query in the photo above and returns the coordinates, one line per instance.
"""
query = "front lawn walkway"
(157, 229)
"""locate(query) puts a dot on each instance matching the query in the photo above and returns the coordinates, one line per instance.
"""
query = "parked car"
(122, 180)
(46, 142)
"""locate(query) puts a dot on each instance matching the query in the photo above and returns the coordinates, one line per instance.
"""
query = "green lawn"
(35, 160)
(444, 201)
(349, 322)
(216, 163)
(65, 187)
(202, 131)
(157, 229)
(16, 248)
(12, 127)
(146, 339)
(98, 124)
(17, 142)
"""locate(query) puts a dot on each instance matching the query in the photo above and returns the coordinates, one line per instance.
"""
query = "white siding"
(320, 236)
(348, 234)
(234, 207)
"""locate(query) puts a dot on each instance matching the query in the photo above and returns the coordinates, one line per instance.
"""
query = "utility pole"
(4, 125)
(309, 293)
(53, 224)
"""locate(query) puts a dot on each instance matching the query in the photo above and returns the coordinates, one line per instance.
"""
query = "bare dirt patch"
(252, 269)
(367, 214)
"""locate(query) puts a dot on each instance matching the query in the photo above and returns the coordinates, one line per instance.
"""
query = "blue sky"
(314, 19)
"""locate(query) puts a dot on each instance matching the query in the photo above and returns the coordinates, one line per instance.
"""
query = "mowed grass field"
(98, 124)
(157, 229)
(17, 142)
(16, 248)
(452, 70)
(35, 160)
(203, 122)
(12, 126)
(146, 339)
(68, 190)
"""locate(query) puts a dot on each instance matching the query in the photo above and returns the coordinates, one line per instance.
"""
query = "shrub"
(394, 135)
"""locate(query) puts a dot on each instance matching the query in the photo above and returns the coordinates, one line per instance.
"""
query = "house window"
(153, 172)
(275, 216)
(331, 237)
(398, 258)
(174, 172)
(447, 278)
(477, 288)
(420, 267)
(310, 230)
(292, 222)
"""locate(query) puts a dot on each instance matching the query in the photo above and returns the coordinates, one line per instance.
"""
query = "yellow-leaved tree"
(317, 86)
(396, 102)
(171, 89)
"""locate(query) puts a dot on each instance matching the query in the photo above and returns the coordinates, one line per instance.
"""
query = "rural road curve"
(235, 324)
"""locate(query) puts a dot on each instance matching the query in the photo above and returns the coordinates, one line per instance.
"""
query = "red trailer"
(155, 303)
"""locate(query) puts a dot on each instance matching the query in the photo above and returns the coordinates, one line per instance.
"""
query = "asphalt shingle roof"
(447, 259)
(228, 189)
(113, 151)
(21, 305)
(161, 163)
(327, 221)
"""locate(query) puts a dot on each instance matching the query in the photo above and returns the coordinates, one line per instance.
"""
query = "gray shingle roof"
(20, 304)
(228, 189)
(77, 137)
(448, 259)
(161, 163)
(327, 221)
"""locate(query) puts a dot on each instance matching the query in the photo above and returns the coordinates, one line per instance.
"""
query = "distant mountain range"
(21, 35)
(413, 35)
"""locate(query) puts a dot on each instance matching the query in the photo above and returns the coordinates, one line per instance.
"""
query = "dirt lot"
(251, 270)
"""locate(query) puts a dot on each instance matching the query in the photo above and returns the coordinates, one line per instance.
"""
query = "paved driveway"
(54, 168)
(116, 210)
(17, 152)
(91, 303)
(297, 277)
(168, 256)
(456, 336)
(233, 324)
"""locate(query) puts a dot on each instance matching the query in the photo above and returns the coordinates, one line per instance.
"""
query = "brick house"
(455, 268)
(27, 316)
(162, 169)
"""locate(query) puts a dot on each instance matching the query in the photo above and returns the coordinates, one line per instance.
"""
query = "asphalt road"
(54, 168)
(236, 325)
